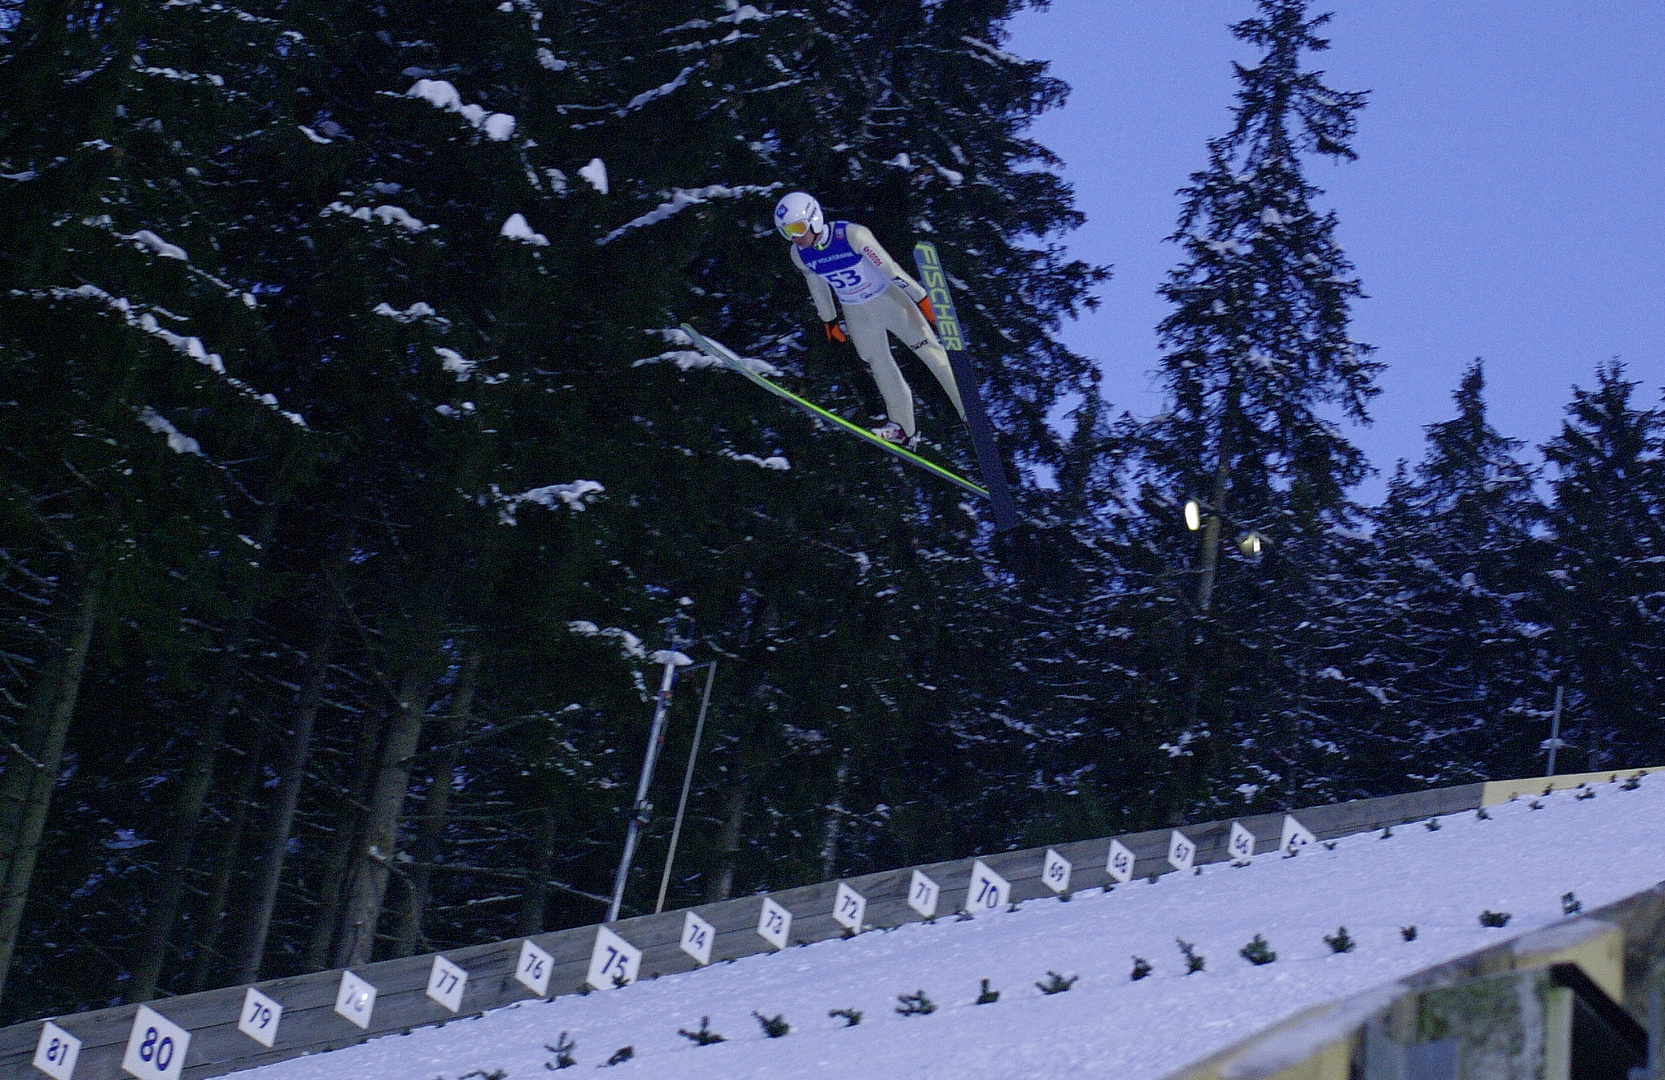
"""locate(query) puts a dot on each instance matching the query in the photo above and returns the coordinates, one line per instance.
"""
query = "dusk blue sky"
(1506, 202)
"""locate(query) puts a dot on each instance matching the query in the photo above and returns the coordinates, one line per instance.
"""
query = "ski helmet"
(797, 214)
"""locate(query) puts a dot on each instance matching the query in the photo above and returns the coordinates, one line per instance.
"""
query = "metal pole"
(640, 810)
(1554, 740)
(687, 780)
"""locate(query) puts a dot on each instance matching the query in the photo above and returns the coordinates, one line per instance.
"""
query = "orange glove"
(835, 331)
(927, 310)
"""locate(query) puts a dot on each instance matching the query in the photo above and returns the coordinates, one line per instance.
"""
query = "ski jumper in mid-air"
(879, 298)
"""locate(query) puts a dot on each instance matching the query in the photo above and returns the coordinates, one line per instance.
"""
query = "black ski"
(935, 280)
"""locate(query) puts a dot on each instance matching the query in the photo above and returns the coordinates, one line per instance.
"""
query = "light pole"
(1554, 742)
(1201, 516)
(641, 808)
(687, 782)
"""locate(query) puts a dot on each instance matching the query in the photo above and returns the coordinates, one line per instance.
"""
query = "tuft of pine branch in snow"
(915, 1004)
(1194, 961)
(563, 1048)
(773, 1026)
(1257, 952)
(704, 1036)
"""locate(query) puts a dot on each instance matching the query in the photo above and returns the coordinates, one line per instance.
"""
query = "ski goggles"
(794, 229)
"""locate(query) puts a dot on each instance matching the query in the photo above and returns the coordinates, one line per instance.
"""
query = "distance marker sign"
(355, 999)
(774, 923)
(1120, 863)
(849, 908)
(446, 981)
(156, 1047)
(1056, 871)
(260, 1018)
(1295, 835)
(533, 968)
(614, 962)
(1181, 851)
(697, 936)
(988, 891)
(56, 1052)
(922, 895)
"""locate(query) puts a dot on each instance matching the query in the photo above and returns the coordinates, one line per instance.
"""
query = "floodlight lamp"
(1251, 542)
(1193, 515)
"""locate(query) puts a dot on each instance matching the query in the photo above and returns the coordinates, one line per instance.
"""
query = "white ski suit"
(879, 298)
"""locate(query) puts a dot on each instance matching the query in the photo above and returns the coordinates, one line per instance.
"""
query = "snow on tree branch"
(442, 95)
(177, 442)
(681, 199)
(575, 496)
(387, 215)
(191, 347)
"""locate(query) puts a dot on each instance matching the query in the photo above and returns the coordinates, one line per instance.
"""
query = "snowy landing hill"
(1521, 860)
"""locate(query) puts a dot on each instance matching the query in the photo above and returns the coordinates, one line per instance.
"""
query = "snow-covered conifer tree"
(1457, 643)
(1608, 575)
(1257, 364)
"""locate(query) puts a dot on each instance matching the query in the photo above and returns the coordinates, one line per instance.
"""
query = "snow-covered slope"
(1520, 861)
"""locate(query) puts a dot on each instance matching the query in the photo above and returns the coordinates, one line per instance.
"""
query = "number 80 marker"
(156, 1048)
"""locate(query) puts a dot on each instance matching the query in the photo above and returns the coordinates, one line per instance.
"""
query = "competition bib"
(855, 278)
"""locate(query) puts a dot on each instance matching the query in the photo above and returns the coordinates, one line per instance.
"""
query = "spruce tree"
(1257, 358)
(1458, 643)
(1608, 522)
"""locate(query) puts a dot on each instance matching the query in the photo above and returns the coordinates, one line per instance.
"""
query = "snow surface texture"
(1519, 861)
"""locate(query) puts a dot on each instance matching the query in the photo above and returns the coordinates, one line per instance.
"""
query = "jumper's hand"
(927, 310)
(836, 331)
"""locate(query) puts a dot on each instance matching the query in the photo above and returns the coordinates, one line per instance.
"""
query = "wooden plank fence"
(212, 1039)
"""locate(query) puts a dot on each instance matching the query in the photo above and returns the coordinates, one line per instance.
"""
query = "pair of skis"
(935, 280)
